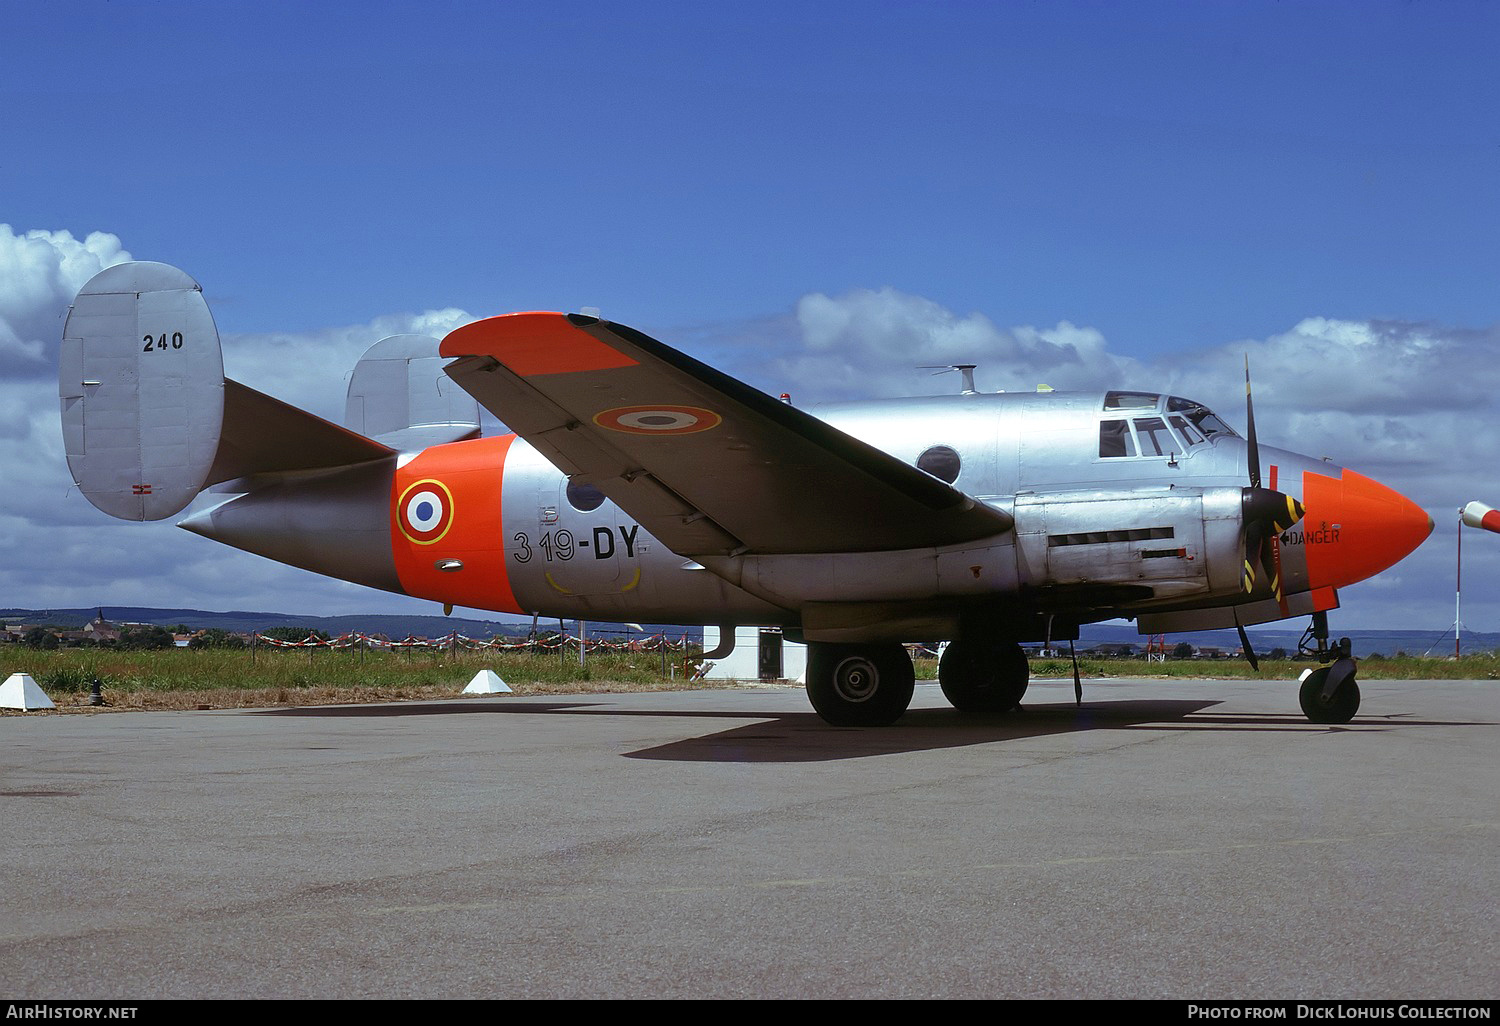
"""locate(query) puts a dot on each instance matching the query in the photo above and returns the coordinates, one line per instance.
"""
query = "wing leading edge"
(706, 463)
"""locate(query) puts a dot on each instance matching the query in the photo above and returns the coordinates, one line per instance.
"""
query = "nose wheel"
(1330, 693)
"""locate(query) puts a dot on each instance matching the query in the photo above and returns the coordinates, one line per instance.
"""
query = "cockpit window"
(1209, 423)
(1145, 436)
(1114, 439)
(1131, 400)
(1189, 433)
(1187, 426)
(1204, 419)
(1156, 440)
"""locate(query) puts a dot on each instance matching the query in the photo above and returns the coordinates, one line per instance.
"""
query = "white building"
(760, 653)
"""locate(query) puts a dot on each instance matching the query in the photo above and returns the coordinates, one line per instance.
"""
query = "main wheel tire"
(1339, 709)
(984, 678)
(859, 685)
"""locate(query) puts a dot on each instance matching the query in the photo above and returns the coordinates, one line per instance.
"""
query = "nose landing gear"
(1330, 693)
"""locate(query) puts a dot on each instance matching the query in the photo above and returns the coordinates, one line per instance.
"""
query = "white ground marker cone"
(487, 682)
(21, 692)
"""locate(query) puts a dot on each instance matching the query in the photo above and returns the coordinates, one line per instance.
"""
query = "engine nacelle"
(1170, 542)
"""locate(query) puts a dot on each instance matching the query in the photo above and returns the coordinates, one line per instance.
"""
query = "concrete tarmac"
(1168, 839)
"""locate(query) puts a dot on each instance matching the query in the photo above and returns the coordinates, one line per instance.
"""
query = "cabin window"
(1114, 439)
(585, 498)
(942, 462)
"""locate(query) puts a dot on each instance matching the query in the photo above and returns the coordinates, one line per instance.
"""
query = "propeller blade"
(1254, 532)
(1245, 647)
(1280, 592)
(1253, 447)
(1270, 558)
(1266, 514)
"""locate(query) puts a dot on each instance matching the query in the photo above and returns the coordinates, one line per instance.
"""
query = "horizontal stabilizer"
(263, 435)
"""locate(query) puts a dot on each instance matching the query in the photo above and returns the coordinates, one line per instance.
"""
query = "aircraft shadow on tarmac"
(803, 737)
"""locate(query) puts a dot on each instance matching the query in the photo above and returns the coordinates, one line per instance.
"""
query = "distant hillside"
(392, 625)
(1271, 636)
(1264, 639)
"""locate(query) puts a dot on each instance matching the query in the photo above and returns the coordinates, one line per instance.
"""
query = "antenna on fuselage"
(966, 369)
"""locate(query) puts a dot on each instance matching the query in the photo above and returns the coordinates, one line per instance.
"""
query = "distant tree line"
(216, 637)
(140, 637)
(41, 637)
(294, 633)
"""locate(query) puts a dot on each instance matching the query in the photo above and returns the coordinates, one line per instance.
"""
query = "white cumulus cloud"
(874, 342)
(40, 273)
(312, 369)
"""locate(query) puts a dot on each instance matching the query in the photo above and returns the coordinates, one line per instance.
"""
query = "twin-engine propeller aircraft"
(642, 485)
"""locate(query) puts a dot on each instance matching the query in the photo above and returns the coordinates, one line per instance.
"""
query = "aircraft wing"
(706, 463)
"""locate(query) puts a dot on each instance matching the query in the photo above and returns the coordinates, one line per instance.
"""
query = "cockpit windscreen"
(1185, 426)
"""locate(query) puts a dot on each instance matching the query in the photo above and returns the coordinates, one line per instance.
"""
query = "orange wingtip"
(534, 343)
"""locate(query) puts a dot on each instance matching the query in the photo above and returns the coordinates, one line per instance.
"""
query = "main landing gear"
(859, 685)
(1330, 693)
(984, 676)
(871, 685)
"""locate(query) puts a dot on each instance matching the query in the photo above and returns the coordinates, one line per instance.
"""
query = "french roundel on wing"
(426, 511)
(658, 420)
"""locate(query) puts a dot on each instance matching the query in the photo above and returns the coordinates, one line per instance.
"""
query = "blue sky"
(1169, 173)
(1158, 184)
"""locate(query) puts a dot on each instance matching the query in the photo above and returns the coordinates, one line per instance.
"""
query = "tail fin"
(141, 382)
(399, 395)
(148, 417)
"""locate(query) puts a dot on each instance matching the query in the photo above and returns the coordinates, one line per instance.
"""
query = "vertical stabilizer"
(141, 382)
(399, 396)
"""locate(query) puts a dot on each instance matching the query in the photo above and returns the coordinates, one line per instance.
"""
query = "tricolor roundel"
(425, 511)
(662, 419)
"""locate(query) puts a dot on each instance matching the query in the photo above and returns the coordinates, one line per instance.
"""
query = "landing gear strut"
(1328, 694)
(984, 676)
(859, 685)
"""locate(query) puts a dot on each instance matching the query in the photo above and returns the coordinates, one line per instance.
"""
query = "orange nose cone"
(1356, 527)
